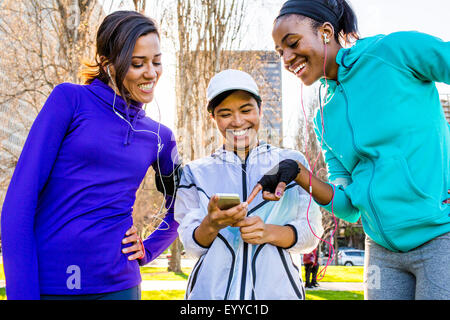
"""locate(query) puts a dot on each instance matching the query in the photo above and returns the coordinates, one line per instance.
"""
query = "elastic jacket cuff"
(295, 235)
(195, 240)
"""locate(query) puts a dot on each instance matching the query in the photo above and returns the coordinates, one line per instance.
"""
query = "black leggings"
(127, 294)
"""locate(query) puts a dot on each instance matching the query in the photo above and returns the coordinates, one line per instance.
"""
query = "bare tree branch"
(42, 43)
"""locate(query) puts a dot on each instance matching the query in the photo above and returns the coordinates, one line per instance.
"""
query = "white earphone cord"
(160, 147)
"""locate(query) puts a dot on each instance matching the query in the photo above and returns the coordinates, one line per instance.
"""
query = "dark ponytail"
(337, 12)
(348, 23)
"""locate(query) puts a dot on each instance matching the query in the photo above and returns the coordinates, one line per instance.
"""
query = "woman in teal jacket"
(385, 139)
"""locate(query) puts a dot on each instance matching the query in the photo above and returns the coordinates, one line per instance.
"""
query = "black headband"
(312, 9)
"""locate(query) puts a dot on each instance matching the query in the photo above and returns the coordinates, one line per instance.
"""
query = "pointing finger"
(254, 192)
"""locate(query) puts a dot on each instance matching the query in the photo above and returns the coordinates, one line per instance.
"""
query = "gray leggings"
(421, 274)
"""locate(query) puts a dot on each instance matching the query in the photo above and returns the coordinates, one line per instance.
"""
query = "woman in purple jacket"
(70, 200)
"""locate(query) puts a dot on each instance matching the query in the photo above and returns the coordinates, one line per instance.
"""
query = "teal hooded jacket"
(386, 140)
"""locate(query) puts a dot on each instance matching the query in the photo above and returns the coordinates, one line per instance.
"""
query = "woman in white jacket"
(243, 252)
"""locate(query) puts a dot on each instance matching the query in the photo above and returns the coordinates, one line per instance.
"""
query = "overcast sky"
(374, 17)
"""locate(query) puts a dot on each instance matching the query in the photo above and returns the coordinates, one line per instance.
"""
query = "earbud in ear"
(325, 38)
(110, 76)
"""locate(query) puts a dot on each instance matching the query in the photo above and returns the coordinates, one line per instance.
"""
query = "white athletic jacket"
(231, 269)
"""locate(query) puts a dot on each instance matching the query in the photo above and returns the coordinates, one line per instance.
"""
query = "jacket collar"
(133, 112)
(229, 156)
(106, 94)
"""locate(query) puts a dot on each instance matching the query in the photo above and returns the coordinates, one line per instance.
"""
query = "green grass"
(333, 274)
(340, 274)
(163, 295)
(152, 273)
(334, 295)
(310, 295)
(179, 295)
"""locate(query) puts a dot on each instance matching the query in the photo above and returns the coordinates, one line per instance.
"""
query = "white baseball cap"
(228, 80)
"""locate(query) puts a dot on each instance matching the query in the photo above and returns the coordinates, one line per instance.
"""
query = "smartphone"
(228, 200)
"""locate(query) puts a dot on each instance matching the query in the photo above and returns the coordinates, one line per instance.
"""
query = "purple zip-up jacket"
(71, 197)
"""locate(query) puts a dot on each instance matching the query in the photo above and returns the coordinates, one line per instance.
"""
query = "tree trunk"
(175, 258)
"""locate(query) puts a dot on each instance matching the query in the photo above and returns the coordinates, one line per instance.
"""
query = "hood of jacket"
(347, 57)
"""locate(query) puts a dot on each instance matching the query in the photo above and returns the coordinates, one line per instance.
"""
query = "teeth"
(146, 86)
(300, 67)
(240, 132)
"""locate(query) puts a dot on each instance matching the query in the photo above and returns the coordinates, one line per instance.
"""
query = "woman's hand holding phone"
(217, 219)
(221, 218)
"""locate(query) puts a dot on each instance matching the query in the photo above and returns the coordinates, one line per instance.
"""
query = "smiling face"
(145, 69)
(301, 47)
(238, 118)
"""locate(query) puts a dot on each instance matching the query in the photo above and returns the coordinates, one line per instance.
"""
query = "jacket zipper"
(245, 251)
(361, 154)
(253, 266)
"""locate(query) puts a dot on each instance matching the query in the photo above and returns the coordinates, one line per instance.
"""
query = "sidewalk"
(151, 285)
(181, 285)
(187, 263)
(157, 285)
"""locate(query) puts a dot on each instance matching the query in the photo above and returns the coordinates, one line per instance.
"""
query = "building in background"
(445, 101)
(265, 68)
(272, 122)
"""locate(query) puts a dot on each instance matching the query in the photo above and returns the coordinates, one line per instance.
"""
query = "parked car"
(346, 248)
(351, 257)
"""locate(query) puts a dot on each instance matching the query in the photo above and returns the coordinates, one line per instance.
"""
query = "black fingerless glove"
(286, 171)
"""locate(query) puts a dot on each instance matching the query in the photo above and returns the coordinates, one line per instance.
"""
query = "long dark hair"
(346, 29)
(116, 38)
